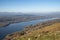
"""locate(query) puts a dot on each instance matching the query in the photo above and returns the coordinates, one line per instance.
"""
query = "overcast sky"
(29, 5)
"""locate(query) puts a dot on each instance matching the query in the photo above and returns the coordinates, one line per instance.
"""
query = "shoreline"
(30, 28)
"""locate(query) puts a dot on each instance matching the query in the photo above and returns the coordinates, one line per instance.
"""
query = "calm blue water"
(18, 27)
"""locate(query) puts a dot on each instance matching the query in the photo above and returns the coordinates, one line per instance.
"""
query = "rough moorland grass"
(51, 32)
(48, 36)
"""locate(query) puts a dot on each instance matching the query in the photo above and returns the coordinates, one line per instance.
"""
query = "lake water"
(19, 26)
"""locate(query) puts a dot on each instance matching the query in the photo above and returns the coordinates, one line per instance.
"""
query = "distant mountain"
(54, 14)
(51, 14)
(10, 13)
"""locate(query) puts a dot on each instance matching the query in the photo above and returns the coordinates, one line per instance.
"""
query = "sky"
(29, 6)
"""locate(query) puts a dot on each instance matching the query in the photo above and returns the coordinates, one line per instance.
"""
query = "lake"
(18, 27)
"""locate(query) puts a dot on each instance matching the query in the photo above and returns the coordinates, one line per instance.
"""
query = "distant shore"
(4, 24)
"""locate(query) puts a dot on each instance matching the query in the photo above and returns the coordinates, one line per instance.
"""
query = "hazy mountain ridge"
(53, 14)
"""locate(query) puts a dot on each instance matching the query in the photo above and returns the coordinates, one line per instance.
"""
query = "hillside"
(49, 30)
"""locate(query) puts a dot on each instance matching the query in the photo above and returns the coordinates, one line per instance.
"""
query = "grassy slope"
(47, 33)
(51, 32)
